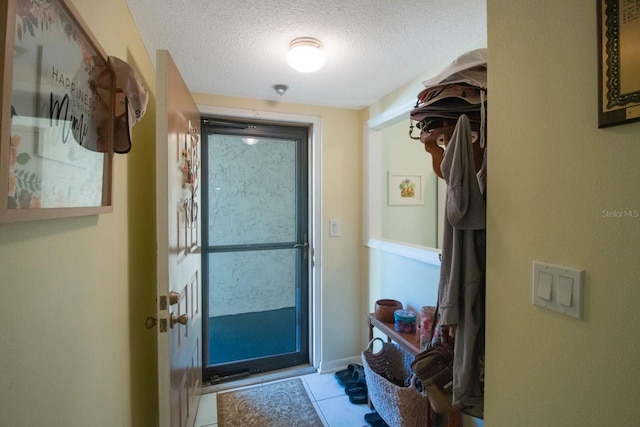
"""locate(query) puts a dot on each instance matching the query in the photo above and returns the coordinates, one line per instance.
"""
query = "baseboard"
(336, 365)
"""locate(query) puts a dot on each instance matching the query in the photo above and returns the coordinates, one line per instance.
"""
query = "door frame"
(315, 205)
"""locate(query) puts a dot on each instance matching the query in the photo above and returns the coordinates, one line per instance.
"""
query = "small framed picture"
(406, 188)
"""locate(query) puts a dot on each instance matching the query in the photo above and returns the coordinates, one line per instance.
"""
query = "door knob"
(182, 319)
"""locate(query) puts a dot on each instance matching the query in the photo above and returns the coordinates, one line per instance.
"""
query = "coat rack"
(436, 139)
(451, 115)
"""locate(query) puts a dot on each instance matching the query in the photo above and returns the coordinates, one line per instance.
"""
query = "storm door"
(255, 250)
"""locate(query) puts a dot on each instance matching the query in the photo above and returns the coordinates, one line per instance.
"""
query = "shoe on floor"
(346, 373)
(356, 378)
(359, 398)
(355, 388)
(372, 417)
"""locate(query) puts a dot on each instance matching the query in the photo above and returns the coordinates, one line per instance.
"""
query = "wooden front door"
(178, 243)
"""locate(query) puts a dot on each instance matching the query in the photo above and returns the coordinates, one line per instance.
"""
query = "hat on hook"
(448, 101)
(131, 103)
(469, 68)
(456, 94)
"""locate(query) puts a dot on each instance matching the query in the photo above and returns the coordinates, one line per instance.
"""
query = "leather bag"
(434, 369)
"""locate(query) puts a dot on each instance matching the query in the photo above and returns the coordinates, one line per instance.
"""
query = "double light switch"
(558, 288)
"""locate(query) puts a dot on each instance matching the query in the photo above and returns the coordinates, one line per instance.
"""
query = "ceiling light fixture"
(306, 54)
(250, 141)
(280, 89)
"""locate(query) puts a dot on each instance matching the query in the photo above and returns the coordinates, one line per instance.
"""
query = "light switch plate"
(335, 228)
(545, 284)
(558, 288)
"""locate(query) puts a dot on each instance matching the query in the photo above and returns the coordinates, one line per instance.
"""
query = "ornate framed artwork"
(619, 62)
(405, 188)
(56, 150)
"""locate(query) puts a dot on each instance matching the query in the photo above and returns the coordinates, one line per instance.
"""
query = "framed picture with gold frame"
(619, 62)
(58, 87)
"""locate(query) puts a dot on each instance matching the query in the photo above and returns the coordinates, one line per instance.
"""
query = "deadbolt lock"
(174, 298)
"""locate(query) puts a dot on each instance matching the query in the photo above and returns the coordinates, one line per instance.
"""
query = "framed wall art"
(405, 188)
(619, 62)
(57, 124)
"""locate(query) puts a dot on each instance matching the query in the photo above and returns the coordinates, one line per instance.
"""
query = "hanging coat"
(461, 288)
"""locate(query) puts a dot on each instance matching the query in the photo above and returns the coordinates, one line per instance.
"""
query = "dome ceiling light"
(306, 54)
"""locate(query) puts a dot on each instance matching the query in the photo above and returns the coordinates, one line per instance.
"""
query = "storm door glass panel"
(254, 314)
(255, 263)
(253, 198)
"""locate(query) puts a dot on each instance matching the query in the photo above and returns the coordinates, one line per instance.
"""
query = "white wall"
(410, 281)
(551, 174)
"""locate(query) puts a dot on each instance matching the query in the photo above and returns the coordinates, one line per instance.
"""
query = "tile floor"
(327, 396)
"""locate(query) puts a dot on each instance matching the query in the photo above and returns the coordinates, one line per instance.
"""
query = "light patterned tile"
(321, 415)
(339, 412)
(207, 410)
(323, 386)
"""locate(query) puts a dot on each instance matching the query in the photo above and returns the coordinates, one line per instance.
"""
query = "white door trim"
(315, 203)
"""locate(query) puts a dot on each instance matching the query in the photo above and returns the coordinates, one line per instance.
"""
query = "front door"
(255, 247)
(178, 242)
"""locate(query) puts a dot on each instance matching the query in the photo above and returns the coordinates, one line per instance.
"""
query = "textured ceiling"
(239, 47)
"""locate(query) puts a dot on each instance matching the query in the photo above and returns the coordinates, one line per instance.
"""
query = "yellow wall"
(552, 173)
(341, 157)
(74, 293)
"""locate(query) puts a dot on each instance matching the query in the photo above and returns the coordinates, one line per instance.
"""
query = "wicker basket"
(398, 406)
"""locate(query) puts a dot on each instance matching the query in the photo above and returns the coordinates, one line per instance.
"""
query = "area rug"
(279, 404)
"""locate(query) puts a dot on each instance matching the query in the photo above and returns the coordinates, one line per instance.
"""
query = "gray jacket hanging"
(461, 289)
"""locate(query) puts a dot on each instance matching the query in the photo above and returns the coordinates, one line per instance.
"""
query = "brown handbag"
(434, 369)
